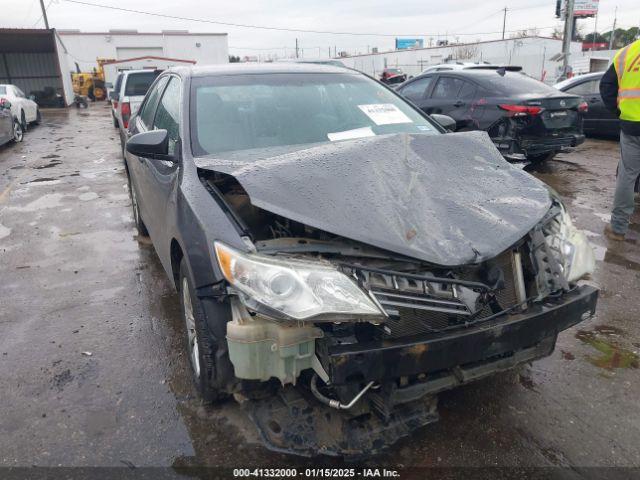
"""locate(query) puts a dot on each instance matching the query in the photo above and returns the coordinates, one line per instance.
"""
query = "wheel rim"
(190, 323)
(17, 132)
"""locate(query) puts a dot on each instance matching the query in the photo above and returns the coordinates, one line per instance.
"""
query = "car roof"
(142, 70)
(257, 68)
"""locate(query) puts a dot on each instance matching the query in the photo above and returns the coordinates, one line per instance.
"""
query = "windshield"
(516, 83)
(242, 112)
(139, 83)
(3, 90)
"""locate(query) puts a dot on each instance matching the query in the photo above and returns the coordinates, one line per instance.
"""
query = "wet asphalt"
(92, 370)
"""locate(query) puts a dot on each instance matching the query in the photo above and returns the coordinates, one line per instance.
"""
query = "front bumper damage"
(294, 422)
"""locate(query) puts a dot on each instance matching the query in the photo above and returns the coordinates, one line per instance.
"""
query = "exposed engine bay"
(419, 330)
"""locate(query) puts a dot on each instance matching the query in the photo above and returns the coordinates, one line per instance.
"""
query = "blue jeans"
(628, 171)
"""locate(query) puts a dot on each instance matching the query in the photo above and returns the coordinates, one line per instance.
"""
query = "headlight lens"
(295, 289)
(571, 246)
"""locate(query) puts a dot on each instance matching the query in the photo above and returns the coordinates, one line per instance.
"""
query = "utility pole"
(504, 22)
(297, 55)
(613, 31)
(568, 33)
(44, 15)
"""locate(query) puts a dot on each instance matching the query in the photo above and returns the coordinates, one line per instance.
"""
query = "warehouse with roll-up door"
(35, 60)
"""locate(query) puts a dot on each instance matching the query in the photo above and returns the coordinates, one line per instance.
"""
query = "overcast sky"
(466, 19)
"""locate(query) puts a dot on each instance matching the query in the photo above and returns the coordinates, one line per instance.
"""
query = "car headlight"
(571, 247)
(294, 289)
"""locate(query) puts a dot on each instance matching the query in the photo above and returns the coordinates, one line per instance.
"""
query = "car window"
(138, 83)
(468, 90)
(3, 90)
(515, 83)
(242, 112)
(447, 87)
(585, 88)
(443, 69)
(118, 84)
(168, 113)
(417, 89)
(148, 109)
(18, 93)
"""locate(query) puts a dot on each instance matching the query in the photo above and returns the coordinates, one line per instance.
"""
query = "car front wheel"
(18, 133)
(199, 345)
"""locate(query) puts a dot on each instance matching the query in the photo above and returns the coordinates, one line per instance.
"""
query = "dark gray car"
(339, 258)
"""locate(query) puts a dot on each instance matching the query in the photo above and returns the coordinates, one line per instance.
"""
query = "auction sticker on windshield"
(384, 113)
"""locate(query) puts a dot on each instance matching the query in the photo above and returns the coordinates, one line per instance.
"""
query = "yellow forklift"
(90, 84)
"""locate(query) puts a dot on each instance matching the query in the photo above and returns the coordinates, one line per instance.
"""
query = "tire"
(142, 228)
(542, 157)
(23, 121)
(38, 119)
(18, 133)
(199, 345)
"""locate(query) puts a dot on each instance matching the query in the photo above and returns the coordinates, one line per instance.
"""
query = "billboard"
(405, 43)
(582, 8)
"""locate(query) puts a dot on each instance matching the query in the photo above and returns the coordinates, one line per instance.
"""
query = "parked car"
(598, 120)
(393, 76)
(128, 97)
(112, 98)
(10, 127)
(22, 108)
(340, 259)
(444, 67)
(524, 117)
(316, 61)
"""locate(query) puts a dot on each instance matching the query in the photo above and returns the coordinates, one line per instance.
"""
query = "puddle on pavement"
(612, 355)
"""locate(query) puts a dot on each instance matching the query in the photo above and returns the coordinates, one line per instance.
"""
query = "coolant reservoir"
(260, 349)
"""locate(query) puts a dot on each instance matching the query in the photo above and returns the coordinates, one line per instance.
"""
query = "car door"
(417, 90)
(136, 165)
(452, 96)
(598, 118)
(159, 177)
(29, 107)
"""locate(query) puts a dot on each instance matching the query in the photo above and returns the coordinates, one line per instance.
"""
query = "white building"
(85, 47)
(538, 56)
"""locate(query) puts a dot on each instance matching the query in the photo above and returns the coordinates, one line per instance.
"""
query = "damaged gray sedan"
(339, 258)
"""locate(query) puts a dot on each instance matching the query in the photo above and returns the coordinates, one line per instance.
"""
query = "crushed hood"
(444, 199)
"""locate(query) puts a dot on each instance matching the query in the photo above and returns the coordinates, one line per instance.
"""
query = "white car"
(443, 67)
(126, 99)
(24, 109)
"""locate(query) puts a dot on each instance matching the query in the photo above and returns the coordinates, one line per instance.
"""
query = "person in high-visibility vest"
(620, 90)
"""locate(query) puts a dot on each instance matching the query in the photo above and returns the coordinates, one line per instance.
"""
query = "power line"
(44, 12)
(281, 29)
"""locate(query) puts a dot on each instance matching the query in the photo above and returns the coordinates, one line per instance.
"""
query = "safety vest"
(627, 65)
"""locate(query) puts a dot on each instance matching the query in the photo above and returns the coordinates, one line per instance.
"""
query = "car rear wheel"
(23, 121)
(18, 133)
(198, 342)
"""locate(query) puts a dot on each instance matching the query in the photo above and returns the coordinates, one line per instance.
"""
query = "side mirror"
(32, 98)
(153, 144)
(445, 121)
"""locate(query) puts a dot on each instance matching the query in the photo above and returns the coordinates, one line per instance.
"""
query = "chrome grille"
(427, 304)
